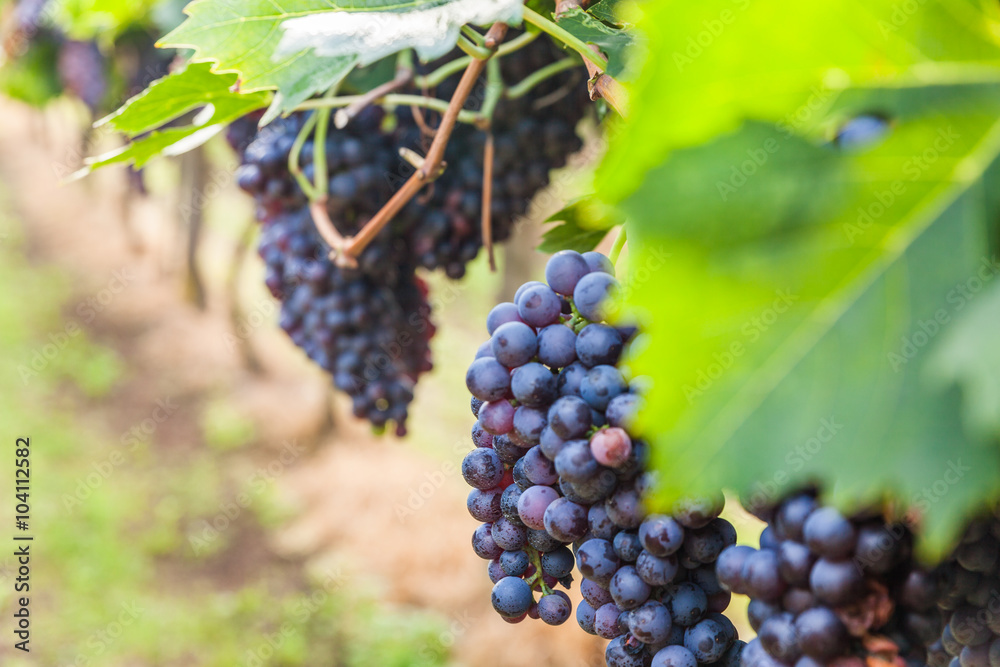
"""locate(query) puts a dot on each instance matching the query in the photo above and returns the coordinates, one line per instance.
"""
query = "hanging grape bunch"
(369, 325)
(554, 464)
(828, 589)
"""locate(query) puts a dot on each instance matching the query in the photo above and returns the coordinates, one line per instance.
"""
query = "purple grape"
(533, 503)
(514, 344)
(534, 385)
(511, 597)
(565, 269)
(597, 561)
(539, 306)
(598, 344)
(482, 468)
(501, 314)
(484, 506)
(627, 589)
(598, 262)
(555, 608)
(557, 346)
(593, 293)
(565, 520)
(487, 379)
(497, 417)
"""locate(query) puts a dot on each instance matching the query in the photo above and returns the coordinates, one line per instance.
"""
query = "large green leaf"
(710, 65)
(968, 355)
(194, 87)
(790, 323)
(302, 47)
(242, 36)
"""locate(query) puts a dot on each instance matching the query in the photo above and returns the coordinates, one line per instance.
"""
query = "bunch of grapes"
(555, 464)
(828, 589)
(369, 326)
(971, 601)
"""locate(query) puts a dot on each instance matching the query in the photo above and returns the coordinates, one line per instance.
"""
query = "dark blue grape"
(597, 561)
(508, 504)
(795, 562)
(835, 583)
(625, 508)
(655, 570)
(539, 469)
(594, 593)
(627, 589)
(708, 640)
(569, 417)
(534, 385)
(593, 294)
(484, 506)
(598, 344)
(606, 621)
(482, 468)
(829, 534)
(601, 525)
(661, 535)
(550, 443)
(622, 410)
(557, 346)
(501, 314)
(761, 576)
(511, 597)
(555, 608)
(585, 617)
(628, 546)
(564, 270)
(539, 306)
(791, 517)
(528, 425)
(565, 520)
(495, 571)
(514, 563)
(508, 535)
(650, 623)
(558, 562)
(729, 567)
(483, 544)
(506, 450)
(570, 379)
(598, 262)
(575, 462)
(617, 654)
(601, 384)
(514, 344)
(687, 603)
(487, 379)
(820, 634)
(779, 638)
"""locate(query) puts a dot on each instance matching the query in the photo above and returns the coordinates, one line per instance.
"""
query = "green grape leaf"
(710, 65)
(614, 42)
(968, 356)
(609, 11)
(174, 95)
(169, 142)
(242, 37)
(303, 47)
(792, 321)
(570, 236)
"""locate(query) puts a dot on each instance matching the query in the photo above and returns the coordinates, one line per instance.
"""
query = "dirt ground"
(393, 515)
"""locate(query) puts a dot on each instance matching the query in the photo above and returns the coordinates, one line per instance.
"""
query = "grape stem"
(293, 157)
(458, 64)
(536, 560)
(431, 169)
(616, 249)
(471, 49)
(487, 211)
(432, 103)
(404, 75)
(529, 82)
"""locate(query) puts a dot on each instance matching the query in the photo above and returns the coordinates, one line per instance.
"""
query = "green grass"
(115, 580)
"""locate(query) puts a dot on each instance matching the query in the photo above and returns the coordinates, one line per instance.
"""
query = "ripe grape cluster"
(369, 326)
(828, 589)
(555, 466)
(970, 603)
